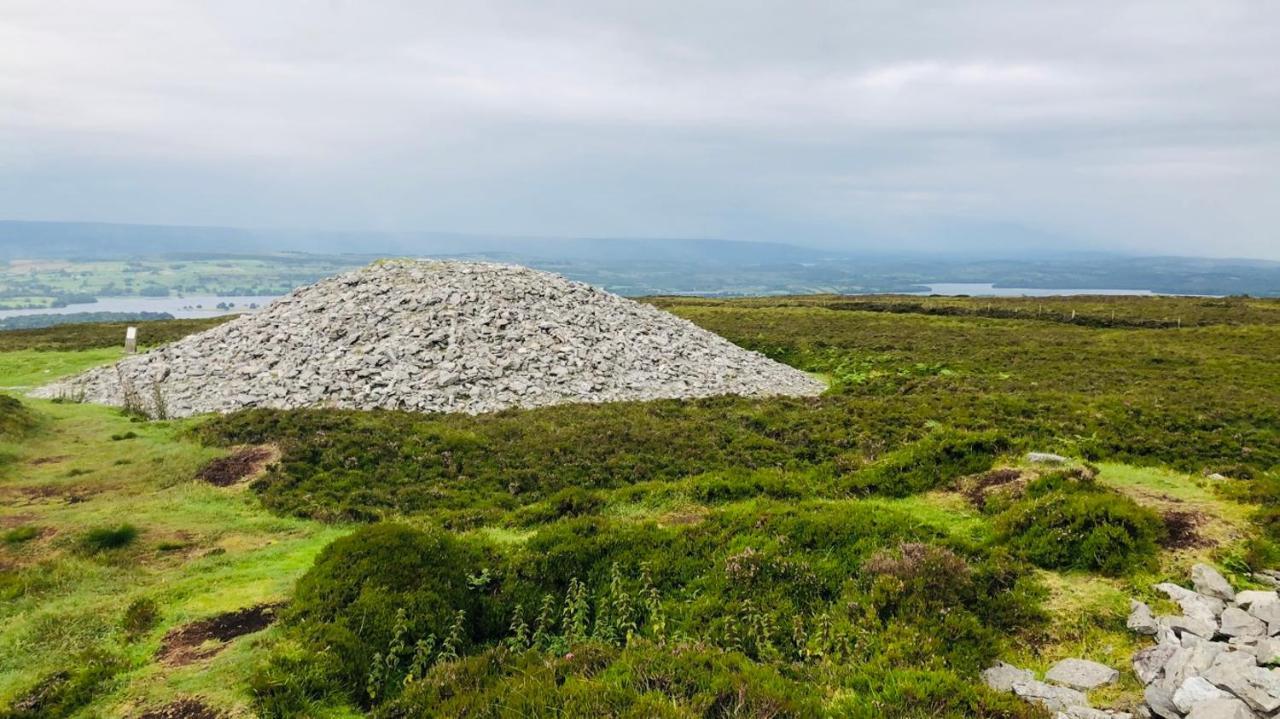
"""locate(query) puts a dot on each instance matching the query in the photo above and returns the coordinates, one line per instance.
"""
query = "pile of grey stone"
(1063, 690)
(1214, 660)
(437, 336)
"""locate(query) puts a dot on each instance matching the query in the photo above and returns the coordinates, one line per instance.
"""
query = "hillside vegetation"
(861, 554)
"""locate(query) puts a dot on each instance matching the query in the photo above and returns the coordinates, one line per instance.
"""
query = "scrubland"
(861, 554)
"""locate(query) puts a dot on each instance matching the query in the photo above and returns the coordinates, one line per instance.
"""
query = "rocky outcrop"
(1214, 660)
(437, 336)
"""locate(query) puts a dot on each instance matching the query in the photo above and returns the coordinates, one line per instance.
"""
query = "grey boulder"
(1225, 708)
(1002, 676)
(1209, 582)
(1236, 622)
(1140, 618)
(1195, 691)
(1081, 674)
(1049, 696)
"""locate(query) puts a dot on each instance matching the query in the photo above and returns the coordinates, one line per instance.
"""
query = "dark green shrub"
(736, 483)
(930, 462)
(1083, 528)
(348, 602)
(642, 680)
(101, 539)
(915, 694)
(18, 535)
(140, 617)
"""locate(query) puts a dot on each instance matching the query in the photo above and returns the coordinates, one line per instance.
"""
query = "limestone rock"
(1194, 691)
(1045, 458)
(1140, 618)
(1222, 708)
(1148, 662)
(1194, 604)
(1160, 702)
(1002, 676)
(1183, 625)
(1236, 622)
(1249, 597)
(1257, 687)
(437, 337)
(1049, 696)
(1209, 582)
(1267, 651)
(1081, 674)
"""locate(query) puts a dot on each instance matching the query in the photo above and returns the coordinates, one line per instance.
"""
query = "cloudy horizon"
(1143, 127)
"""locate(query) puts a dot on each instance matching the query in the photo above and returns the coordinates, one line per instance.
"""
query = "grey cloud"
(1150, 126)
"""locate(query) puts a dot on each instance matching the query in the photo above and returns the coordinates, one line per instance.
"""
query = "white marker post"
(131, 340)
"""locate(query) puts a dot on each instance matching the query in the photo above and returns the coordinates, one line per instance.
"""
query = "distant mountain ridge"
(637, 266)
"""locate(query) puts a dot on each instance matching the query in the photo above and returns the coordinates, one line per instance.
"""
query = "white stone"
(1209, 582)
(1140, 618)
(1249, 597)
(1051, 697)
(1002, 676)
(1194, 604)
(1195, 690)
(1222, 708)
(1236, 622)
(1081, 674)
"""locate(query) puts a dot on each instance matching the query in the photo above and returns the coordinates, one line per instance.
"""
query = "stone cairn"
(1213, 661)
(436, 337)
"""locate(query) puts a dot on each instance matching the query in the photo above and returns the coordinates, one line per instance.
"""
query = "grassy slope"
(236, 554)
(201, 551)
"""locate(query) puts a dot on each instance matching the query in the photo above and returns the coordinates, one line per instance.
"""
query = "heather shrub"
(930, 462)
(363, 586)
(1082, 527)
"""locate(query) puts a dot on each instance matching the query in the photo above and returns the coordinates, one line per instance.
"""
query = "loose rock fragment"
(1081, 674)
(1209, 582)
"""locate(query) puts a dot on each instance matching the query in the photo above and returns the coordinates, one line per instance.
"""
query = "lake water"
(980, 289)
(182, 307)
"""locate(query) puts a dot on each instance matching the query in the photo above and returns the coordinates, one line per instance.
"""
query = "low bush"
(140, 617)
(1073, 524)
(363, 587)
(930, 462)
(101, 539)
(752, 587)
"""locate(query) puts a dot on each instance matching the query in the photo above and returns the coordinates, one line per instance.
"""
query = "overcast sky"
(1142, 126)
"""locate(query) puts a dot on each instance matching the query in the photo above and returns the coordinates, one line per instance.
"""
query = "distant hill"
(638, 266)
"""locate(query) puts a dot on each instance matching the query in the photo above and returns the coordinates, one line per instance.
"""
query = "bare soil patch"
(239, 465)
(1183, 526)
(47, 460)
(206, 637)
(977, 488)
(181, 709)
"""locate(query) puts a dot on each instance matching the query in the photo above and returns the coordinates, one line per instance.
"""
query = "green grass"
(30, 368)
(62, 601)
(747, 511)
